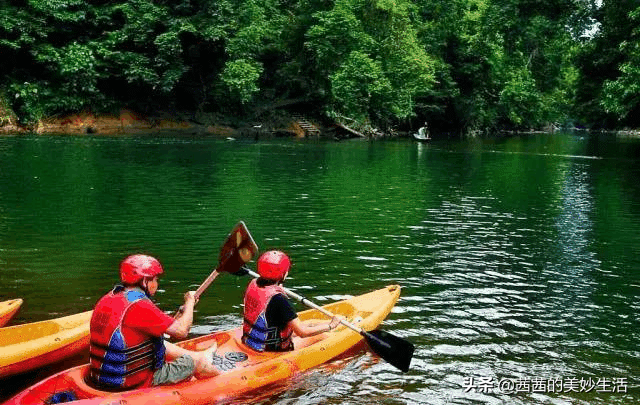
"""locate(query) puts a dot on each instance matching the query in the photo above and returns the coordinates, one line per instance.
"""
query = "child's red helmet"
(273, 265)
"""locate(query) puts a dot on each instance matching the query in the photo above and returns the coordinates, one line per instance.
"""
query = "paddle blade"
(396, 351)
(238, 249)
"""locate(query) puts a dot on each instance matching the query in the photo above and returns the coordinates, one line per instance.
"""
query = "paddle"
(395, 350)
(238, 249)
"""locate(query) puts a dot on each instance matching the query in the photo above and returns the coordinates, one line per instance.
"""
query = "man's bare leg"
(203, 359)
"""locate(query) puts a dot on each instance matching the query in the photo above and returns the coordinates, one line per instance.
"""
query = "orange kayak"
(8, 309)
(38, 344)
(242, 370)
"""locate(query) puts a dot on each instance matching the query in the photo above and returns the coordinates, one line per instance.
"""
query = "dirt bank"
(130, 122)
(127, 122)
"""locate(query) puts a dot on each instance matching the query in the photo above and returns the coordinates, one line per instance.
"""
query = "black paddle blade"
(396, 351)
(238, 249)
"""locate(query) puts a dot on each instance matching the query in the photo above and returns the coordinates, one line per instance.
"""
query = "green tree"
(503, 63)
(359, 87)
(607, 63)
(241, 78)
(26, 37)
(621, 96)
(77, 54)
(380, 36)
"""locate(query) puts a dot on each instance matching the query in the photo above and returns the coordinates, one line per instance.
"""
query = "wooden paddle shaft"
(312, 305)
(206, 283)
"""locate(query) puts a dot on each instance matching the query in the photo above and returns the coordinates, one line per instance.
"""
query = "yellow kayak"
(34, 345)
(8, 309)
(242, 370)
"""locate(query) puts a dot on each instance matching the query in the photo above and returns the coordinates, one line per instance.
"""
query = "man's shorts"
(178, 370)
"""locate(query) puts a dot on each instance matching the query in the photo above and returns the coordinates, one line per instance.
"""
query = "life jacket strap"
(131, 360)
(141, 346)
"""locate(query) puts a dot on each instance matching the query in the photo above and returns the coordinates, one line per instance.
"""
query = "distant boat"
(422, 135)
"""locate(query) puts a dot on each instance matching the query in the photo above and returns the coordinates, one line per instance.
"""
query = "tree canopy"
(458, 64)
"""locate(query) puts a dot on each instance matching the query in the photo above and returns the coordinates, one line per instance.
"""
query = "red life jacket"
(256, 332)
(121, 358)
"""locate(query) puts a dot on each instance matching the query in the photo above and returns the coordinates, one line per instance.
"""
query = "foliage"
(241, 77)
(27, 100)
(359, 86)
(621, 96)
(459, 64)
(606, 89)
(370, 52)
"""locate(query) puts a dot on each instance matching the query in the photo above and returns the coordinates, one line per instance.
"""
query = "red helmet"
(136, 267)
(273, 265)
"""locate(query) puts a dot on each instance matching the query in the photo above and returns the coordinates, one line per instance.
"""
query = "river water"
(518, 256)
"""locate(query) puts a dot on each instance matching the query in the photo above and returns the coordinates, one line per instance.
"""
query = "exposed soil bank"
(130, 122)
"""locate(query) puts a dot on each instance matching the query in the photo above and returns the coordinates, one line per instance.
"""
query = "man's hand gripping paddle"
(396, 351)
(237, 250)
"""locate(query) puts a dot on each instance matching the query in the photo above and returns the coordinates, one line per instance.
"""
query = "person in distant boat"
(269, 319)
(127, 349)
(423, 132)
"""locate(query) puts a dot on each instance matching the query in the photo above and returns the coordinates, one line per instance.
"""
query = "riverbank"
(284, 124)
(128, 122)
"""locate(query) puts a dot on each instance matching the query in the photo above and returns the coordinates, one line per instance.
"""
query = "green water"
(518, 256)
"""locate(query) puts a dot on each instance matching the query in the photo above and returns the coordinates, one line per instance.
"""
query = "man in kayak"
(269, 319)
(127, 348)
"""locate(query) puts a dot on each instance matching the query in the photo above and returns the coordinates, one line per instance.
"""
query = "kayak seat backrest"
(24, 333)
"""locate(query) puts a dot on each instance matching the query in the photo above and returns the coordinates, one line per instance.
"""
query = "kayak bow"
(33, 345)
(8, 309)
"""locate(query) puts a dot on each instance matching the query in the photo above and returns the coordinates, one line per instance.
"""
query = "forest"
(460, 65)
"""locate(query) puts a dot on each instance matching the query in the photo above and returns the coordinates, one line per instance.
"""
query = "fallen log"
(353, 131)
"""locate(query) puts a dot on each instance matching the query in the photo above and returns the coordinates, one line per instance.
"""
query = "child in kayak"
(127, 349)
(269, 319)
